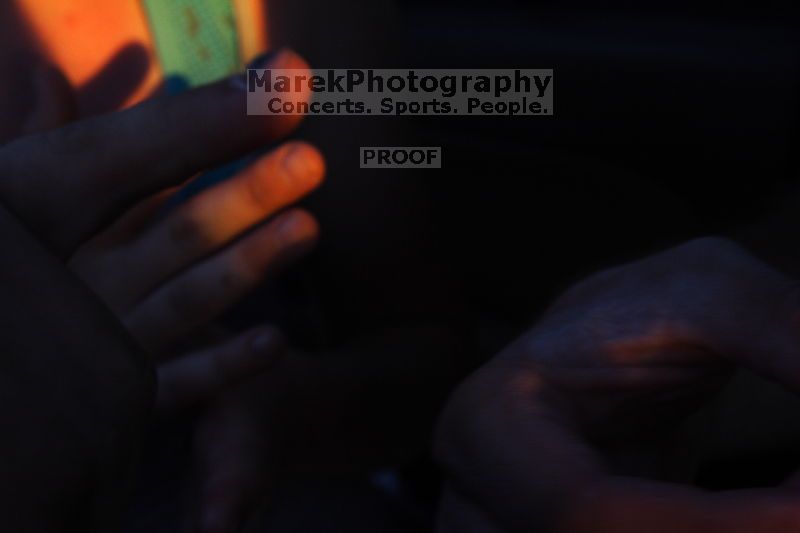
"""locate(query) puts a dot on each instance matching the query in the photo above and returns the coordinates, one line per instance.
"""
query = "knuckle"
(587, 290)
(71, 139)
(233, 281)
(711, 247)
(260, 187)
(186, 232)
(164, 119)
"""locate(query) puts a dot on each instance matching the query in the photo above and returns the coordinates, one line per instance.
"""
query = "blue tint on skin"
(175, 84)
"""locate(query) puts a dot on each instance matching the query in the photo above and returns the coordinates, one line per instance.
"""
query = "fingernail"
(302, 162)
(298, 231)
(263, 61)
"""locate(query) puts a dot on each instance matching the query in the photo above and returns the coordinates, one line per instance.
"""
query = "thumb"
(55, 101)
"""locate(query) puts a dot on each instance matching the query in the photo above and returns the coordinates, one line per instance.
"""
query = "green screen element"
(196, 40)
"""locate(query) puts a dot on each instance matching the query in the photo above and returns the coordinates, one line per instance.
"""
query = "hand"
(76, 395)
(167, 276)
(576, 427)
(343, 412)
(74, 379)
(66, 184)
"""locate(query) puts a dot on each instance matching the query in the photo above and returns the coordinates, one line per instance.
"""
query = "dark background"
(673, 121)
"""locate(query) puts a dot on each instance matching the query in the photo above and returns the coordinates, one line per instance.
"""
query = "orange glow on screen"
(82, 36)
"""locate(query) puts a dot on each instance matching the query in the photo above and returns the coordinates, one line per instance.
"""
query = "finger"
(55, 101)
(202, 375)
(522, 458)
(125, 229)
(206, 290)
(514, 437)
(56, 382)
(130, 225)
(231, 464)
(97, 262)
(98, 167)
(216, 216)
(117, 82)
(501, 444)
(458, 515)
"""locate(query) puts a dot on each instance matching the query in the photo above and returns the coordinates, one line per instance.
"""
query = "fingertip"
(288, 60)
(256, 351)
(299, 228)
(304, 162)
(284, 176)
(55, 100)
